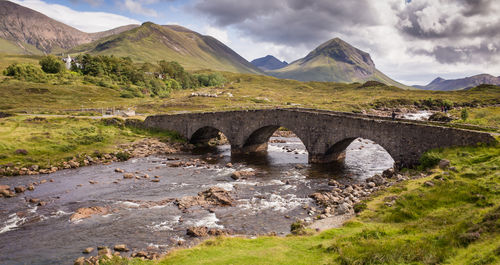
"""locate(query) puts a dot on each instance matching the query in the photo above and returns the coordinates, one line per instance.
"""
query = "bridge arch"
(204, 134)
(258, 139)
(337, 151)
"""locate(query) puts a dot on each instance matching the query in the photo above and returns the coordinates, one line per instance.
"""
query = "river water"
(267, 202)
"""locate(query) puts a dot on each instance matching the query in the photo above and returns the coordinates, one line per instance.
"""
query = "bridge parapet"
(325, 134)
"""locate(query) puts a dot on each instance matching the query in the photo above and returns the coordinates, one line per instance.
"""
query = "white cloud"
(137, 7)
(84, 21)
(217, 33)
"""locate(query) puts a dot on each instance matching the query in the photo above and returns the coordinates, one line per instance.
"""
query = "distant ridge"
(269, 62)
(334, 61)
(462, 83)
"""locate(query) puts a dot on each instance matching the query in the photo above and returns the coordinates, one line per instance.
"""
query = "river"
(268, 202)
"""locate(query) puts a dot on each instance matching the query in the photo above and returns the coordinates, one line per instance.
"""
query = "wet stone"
(88, 250)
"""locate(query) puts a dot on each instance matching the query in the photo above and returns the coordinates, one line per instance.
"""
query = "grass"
(456, 221)
(243, 91)
(49, 141)
(488, 117)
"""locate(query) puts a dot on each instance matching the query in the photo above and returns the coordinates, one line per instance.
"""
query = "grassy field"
(243, 91)
(456, 221)
(489, 116)
(49, 141)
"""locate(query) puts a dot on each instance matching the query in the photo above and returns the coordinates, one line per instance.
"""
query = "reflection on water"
(269, 201)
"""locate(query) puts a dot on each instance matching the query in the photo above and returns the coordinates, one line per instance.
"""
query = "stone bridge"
(325, 134)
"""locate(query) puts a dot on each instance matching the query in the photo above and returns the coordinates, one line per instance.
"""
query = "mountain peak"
(269, 62)
(334, 61)
(341, 51)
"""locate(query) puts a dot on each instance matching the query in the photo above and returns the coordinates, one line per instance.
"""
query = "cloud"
(140, 6)
(90, 2)
(436, 37)
(137, 7)
(287, 22)
(84, 21)
(217, 33)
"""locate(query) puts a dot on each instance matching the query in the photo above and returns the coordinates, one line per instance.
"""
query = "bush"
(90, 139)
(25, 72)
(131, 92)
(51, 64)
(464, 114)
(429, 160)
(122, 156)
(359, 207)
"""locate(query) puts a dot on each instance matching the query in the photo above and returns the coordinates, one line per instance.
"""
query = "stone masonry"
(325, 134)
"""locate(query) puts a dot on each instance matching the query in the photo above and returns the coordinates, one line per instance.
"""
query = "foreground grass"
(456, 221)
(51, 140)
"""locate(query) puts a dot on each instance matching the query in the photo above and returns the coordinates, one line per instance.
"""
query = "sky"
(411, 41)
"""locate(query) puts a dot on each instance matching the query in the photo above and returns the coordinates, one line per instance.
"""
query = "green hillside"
(335, 61)
(151, 43)
(10, 47)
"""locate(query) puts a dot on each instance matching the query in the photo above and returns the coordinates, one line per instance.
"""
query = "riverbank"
(449, 216)
(31, 145)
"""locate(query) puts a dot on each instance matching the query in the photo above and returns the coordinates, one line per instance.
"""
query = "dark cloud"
(448, 23)
(289, 22)
(477, 7)
(472, 54)
(454, 28)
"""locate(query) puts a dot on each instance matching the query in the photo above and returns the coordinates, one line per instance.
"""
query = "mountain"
(23, 30)
(151, 42)
(269, 63)
(335, 61)
(462, 83)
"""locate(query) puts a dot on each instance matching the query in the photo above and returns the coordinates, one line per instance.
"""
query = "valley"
(156, 143)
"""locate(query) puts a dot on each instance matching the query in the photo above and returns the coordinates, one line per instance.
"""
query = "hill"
(269, 62)
(151, 42)
(25, 31)
(462, 83)
(334, 61)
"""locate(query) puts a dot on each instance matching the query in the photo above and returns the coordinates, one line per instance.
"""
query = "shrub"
(298, 227)
(429, 160)
(359, 207)
(90, 139)
(25, 72)
(51, 64)
(464, 114)
(122, 156)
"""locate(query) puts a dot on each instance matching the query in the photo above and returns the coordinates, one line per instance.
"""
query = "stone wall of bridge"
(325, 134)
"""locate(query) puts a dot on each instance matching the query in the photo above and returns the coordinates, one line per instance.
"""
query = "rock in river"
(83, 213)
(121, 248)
(213, 196)
(203, 231)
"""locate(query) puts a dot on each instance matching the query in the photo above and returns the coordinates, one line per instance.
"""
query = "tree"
(51, 64)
